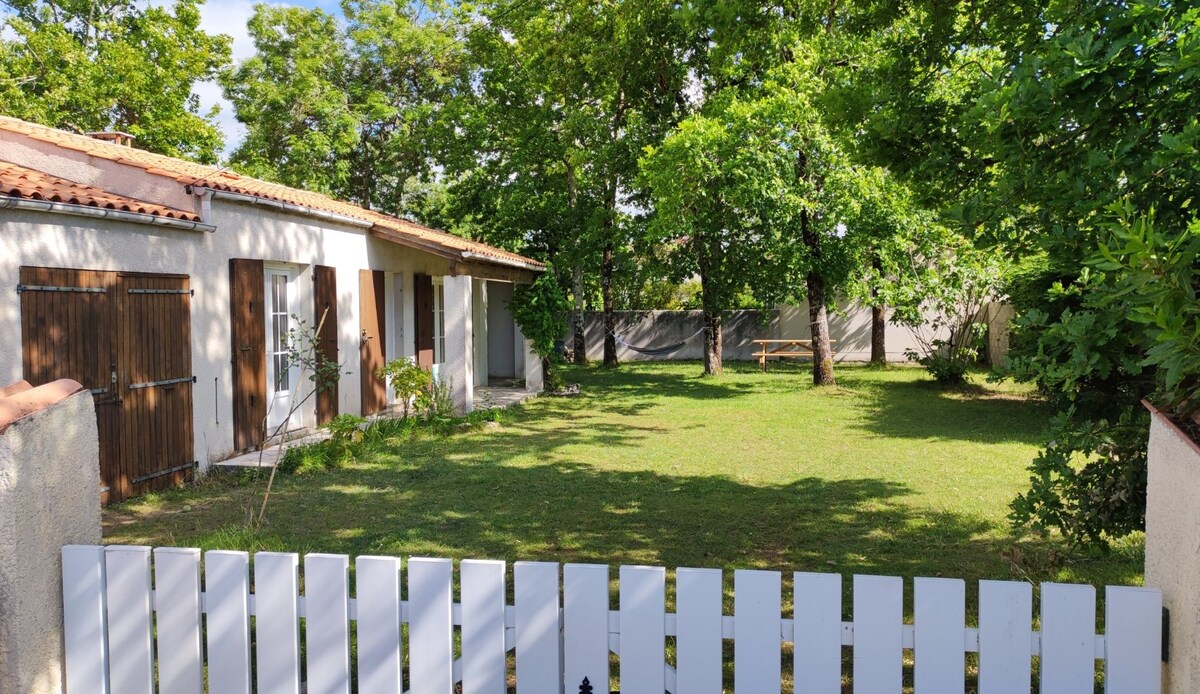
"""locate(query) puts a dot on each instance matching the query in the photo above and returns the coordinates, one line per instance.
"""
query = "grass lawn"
(654, 464)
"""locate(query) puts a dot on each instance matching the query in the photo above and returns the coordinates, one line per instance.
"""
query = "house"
(168, 289)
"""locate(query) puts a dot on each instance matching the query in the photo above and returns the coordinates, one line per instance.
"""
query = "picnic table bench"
(783, 348)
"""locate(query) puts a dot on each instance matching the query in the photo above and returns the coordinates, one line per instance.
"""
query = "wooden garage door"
(127, 338)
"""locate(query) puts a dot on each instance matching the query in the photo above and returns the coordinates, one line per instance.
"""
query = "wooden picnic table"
(783, 348)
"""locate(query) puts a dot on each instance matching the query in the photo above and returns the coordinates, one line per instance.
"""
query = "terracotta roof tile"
(191, 173)
(20, 182)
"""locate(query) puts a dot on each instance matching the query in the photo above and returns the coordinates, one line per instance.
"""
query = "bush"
(948, 370)
(541, 311)
(409, 382)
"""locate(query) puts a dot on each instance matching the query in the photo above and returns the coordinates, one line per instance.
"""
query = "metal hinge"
(166, 382)
(164, 473)
(1166, 635)
(190, 292)
(47, 288)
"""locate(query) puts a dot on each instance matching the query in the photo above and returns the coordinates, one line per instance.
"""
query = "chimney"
(114, 136)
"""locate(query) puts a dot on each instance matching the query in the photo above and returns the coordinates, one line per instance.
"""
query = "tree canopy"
(89, 65)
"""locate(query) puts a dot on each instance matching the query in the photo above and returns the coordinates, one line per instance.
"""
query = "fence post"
(49, 497)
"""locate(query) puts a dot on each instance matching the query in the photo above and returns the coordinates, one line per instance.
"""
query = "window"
(280, 324)
(439, 321)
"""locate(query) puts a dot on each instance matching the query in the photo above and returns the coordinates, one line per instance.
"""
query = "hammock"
(657, 351)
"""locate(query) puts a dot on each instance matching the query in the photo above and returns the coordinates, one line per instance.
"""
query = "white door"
(282, 376)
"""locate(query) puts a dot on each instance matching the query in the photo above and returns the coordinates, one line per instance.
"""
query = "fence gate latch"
(1166, 635)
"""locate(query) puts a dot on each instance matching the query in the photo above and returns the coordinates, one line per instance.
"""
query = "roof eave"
(10, 203)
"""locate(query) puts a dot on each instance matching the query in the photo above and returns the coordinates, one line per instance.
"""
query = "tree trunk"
(818, 315)
(610, 318)
(580, 342)
(878, 319)
(713, 343)
(878, 335)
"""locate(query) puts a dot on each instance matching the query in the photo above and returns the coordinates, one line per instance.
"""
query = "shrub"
(409, 382)
(541, 311)
(954, 288)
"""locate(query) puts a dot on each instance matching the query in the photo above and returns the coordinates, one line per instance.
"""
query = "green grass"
(654, 464)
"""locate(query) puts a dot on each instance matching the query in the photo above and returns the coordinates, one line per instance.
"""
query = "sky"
(229, 17)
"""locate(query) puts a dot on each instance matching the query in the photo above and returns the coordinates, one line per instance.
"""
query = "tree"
(755, 192)
(346, 110)
(1097, 113)
(561, 101)
(116, 65)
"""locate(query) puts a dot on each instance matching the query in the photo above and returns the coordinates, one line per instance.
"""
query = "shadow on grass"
(574, 513)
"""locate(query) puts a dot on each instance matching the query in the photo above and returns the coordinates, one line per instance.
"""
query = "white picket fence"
(129, 625)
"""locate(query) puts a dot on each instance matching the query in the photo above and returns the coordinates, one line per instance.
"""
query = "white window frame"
(439, 321)
(279, 402)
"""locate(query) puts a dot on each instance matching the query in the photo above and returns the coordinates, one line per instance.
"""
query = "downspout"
(11, 203)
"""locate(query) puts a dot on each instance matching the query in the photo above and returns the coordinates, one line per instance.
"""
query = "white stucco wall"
(460, 349)
(1173, 547)
(48, 460)
(243, 231)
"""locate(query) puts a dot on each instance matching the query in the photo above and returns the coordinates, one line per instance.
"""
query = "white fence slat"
(585, 626)
(430, 626)
(327, 623)
(377, 589)
(177, 604)
(643, 630)
(277, 622)
(1005, 634)
(757, 612)
(130, 623)
(939, 616)
(698, 594)
(86, 631)
(1068, 662)
(878, 634)
(1133, 640)
(539, 663)
(227, 620)
(817, 616)
(483, 653)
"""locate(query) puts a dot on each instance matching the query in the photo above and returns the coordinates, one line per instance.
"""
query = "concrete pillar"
(49, 497)
(534, 379)
(1172, 560)
(459, 367)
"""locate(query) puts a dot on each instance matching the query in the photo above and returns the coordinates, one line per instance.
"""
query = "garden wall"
(1172, 559)
(850, 326)
(49, 482)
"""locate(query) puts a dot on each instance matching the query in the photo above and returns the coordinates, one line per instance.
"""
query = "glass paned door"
(282, 375)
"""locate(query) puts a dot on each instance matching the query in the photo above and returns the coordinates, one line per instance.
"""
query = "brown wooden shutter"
(371, 350)
(247, 329)
(423, 320)
(325, 303)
